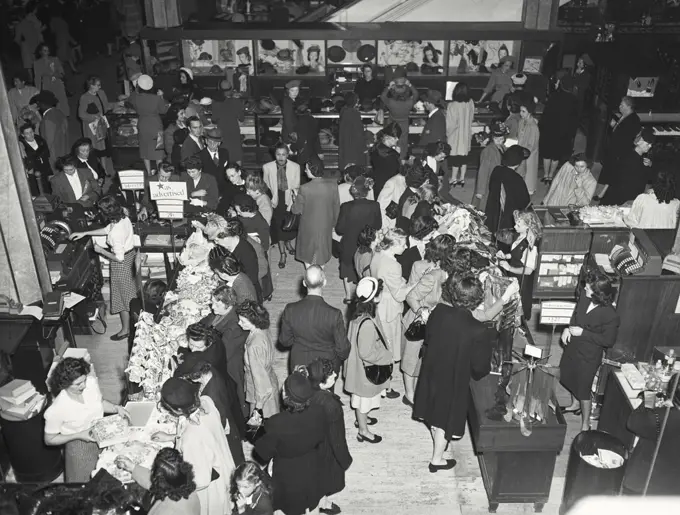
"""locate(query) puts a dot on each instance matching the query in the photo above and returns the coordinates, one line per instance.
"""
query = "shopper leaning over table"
(592, 329)
(257, 189)
(229, 270)
(201, 440)
(77, 403)
(122, 255)
(368, 347)
(170, 482)
(262, 386)
(389, 197)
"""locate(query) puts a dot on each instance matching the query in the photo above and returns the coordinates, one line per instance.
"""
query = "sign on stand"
(554, 313)
(169, 197)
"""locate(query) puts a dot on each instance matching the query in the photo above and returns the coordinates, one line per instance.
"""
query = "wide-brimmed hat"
(367, 289)
(506, 58)
(206, 101)
(179, 394)
(187, 71)
(351, 45)
(515, 155)
(268, 44)
(366, 53)
(213, 132)
(336, 54)
(145, 82)
(298, 387)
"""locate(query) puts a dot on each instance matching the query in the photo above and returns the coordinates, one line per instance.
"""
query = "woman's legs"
(546, 168)
(586, 406)
(454, 175)
(463, 171)
(438, 446)
(147, 166)
(349, 289)
(362, 422)
(409, 386)
(282, 254)
(124, 322)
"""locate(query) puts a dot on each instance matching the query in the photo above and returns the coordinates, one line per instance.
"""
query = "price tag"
(533, 351)
(556, 312)
(168, 190)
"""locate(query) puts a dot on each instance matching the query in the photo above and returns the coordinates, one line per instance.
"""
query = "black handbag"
(378, 374)
(416, 330)
(290, 222)
(392, 210)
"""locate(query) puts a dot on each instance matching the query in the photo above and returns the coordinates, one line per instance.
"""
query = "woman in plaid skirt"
(121, 254)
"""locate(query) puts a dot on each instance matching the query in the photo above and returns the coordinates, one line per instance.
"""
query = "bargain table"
(515, 468)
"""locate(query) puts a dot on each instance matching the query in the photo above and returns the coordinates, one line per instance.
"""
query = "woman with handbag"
(458, 348)
(427, 279)
(282, 177)
(369, 365)
(92, 108)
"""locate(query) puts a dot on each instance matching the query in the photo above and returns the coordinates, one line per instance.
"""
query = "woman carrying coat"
(458, 348)
(293, 439)
(318, 205)
(528, 137)
(368, 346)
(399, 97)
(262, 386)
(149, 106)
(593, 329)
(351, 144)
(353, 218)
(335, 456)
(427, 279)
(384, 266)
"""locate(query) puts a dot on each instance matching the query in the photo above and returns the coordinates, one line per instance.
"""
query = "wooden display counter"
(619, 402)
(515, 468)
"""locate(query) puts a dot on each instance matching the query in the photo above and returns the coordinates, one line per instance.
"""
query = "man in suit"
(311, 327)
(53, 126)
(74, 186)
(166, 173)
(201, 187)
(435, 127)
(214, 158)
(194, 142)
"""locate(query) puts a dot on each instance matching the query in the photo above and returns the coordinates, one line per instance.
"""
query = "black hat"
(399, 72)
(515, 155)
(432, 96)
(366, 53)
(268, 44)
(647, 134)
(298, 388)
(179, 394)
(412, 67)
(498, 129)
(336, 54)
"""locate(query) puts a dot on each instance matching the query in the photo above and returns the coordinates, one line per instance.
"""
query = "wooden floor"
(391, 477)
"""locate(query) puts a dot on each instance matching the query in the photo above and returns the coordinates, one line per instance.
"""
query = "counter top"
(630, 394)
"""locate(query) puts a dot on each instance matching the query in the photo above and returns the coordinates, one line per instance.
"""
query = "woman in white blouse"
(656, 208)
(77, 404)
(122, 255)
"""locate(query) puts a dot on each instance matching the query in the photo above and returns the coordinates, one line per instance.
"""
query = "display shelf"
(558, 274)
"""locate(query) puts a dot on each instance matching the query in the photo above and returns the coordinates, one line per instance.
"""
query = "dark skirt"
(526, 293)
(577, 374)
(554, 147)
(80, 460)
(275, 230)
(123, 283)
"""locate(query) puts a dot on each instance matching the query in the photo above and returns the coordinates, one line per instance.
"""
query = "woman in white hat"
(186, 90)
(149, 106)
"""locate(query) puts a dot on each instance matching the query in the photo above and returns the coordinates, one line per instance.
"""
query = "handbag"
(416, 330)
(378, 374)
(392, 210)
(290, 222)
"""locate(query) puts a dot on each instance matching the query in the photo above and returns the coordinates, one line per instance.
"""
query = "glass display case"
(123, 131)
(418, 57)
(217, 57)
(290, 57)
(474, 56)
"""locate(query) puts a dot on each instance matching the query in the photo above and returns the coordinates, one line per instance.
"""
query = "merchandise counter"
(515, 468)
(619, 401)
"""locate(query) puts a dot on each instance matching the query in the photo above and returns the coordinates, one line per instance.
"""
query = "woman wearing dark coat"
(399, 97)
(624, 131)
(353, 217)
(307, 144)
(351, 145)
(36, 160)
(458, 348)
(592, 329)
(335, 456)
(385, 156)
(203, 345)
(289, 117)
(227, 114)
(318, 204)
(507, 191)
(293, 439)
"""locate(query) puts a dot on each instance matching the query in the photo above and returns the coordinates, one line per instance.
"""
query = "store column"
(540, 14)
(24, 275)
(162, 14)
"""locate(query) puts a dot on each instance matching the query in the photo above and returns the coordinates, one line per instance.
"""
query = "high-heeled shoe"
(371, 422)
(282, 261)
(290, 249)
(361, 439)
(435, 468)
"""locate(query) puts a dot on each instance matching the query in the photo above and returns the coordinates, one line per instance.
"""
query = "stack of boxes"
(19, 400)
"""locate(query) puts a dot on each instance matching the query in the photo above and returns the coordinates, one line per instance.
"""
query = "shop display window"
(290, 57)
(350, 52)
(418, 57)
(218, 57)
(476, 56)
(166, 56)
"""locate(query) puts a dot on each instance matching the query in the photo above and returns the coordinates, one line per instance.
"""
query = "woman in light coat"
(528, 137)
(459, 115)
(385, 266)
(367, 347)
(282, 177)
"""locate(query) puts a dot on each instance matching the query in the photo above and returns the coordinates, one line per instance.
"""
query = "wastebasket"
(585, 477)
(31, 460)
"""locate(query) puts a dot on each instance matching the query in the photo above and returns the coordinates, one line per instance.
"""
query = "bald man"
(311, 327)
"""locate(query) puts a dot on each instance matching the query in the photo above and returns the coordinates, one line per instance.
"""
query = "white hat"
(145, 82)
(187, 71)
(367, 289)
(206, 101)
(518, 79)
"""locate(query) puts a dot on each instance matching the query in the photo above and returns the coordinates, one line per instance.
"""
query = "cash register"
(638, 256)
